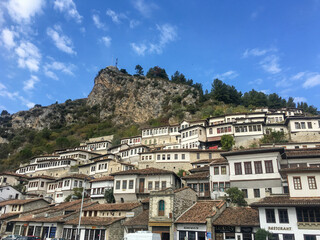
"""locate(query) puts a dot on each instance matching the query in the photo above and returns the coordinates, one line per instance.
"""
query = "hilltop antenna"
(116, 62)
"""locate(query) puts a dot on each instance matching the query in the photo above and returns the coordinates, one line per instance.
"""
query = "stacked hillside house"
(173, 180)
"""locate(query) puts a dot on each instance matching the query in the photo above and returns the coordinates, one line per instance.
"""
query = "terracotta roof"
(43, 177)
(99, 221)
(102, 179)
(300, 169)
(127, 164)
(238, 216)
(141, 219)
(114, 206)
(200, 175)
(298, 153)
(219, 161)
(19, 201)
(203, 161)
(185, 150)
(8, 215)
(286, 201)
(14, 174)
(200, 211)
(181, 189)
(199, 169)
(253, 151)
(78, 176)
(146, 171)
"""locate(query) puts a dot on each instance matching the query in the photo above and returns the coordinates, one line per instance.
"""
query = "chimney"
(268, 193)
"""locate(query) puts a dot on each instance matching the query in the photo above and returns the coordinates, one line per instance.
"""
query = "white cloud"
(69, 7)
(14, 96)
(271, 64)
(97, 22)
(7, 37)
(2, 86)
(140, 49)
(299, 99)
(28, 56)
(312, 80)
(256, 82)
(133, 23)
(144, 8)
(29, 84)
(167, 34)
(49, 69)
(283, 83)
(21, 11)
(255, 52)
(113, 15)
(106, 40)
(298, 76)
(227, 75)
(61, 41)
(1, 17)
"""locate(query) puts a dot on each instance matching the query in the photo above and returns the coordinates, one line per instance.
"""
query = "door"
(165, 236)
(206, 190)
(219, 236)
(141, 185)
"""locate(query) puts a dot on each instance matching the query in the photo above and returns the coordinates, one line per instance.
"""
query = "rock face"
(135, 98)
(123, 97)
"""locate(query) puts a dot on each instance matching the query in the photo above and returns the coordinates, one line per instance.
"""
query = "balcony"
(309, 225)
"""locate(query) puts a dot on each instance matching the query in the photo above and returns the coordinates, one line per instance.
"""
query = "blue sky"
(52, 50)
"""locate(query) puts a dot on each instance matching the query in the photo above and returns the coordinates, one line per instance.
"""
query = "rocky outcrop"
(135, 98)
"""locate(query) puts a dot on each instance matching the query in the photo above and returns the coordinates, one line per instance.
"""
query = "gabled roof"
(141, 219)
(219, 161)
(102, 179)
(146, 171)
(238, 216)
(20, 201)
(99, 221)
(199, 169)
(200, 175)
(200, 211)
(302, 153)
(78, 176)
(14, 174)
(253, 151)
(300, 169)
(286, 201)
(43, 177)
(114, 206)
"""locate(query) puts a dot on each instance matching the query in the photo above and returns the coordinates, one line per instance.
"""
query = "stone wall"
(115, 231)
(182, 201)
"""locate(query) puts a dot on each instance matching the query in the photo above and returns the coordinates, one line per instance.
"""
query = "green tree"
(139, 70)
(254, 98)
(4, 113)
(236, 196)
(178, 77)
(108, 196)
(77, 194)
(291, 103)
(227, 142)
(263, 234)
(225, 93)
(275, 101)
(123, 71)
(181, 173)
(274, 137)
(62, 142)
(157, 72)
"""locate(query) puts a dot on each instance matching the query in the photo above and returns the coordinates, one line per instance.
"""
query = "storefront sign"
(130, 214)
(190, 228)
(280, 228)
(222, 229)
(94, 227)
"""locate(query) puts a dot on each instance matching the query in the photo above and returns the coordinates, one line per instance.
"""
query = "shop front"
(191, 231)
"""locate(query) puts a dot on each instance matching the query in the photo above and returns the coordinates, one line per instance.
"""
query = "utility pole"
(116, 62)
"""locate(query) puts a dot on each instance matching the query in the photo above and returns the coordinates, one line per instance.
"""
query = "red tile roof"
(219, 161)
(286, 201)
(114, 207)
(238, 216)
(20, 201)
(146, 171)
(43, 177)
(199, 169)
(300, 169)
(14, 174)
(200, 211)
(78, 176)
(99, 221)
(141, 219)
(200, 175)
(102, 179)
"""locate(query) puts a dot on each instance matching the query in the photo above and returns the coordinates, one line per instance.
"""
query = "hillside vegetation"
(121, 104)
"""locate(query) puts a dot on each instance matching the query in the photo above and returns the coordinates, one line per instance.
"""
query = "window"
(258, 167)
(237, 168)
(210, 130)
(215, 186)
(75, 183)
(163, 184)
(247, 168)
(310, 237)
(175, 156)
(275, 236)
(283, 216)
(118, 184)
(157, 183)
(223, 170)
(256, 193)
(168, 156)
(297, 125)
(42, 184)
(310, 125)
(80, 184)
(210, 155)
(150, 185)
(269, 167)
(221, 187)
(163, 157)
(245, 193)
(216, 170)
(124, 184)
(297, 183)
(161, 208)
(270, 216)
(158, 157)
(309, 214)
(227, 185)
(288, 236)
(130, 184)
(183, 156)
(312, 183)
(198, 155)
(303, 125)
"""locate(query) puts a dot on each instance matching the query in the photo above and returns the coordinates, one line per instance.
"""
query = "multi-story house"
(160, 136)
(99, 186)
(136, 184)
(175, 159)
(304, 129)
(82, 156)
(296, 215)
(12, 179)
(131, 154)
(166, 206)
(256, 171)
(38, 185)
(219, 178)
(131, 141)
(8, 192)
(199, 182)
(192, 137)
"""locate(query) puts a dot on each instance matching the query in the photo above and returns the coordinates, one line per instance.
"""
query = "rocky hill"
(122, 97)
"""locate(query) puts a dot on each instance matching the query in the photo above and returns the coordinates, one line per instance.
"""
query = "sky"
(52, 50)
